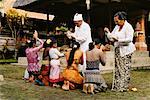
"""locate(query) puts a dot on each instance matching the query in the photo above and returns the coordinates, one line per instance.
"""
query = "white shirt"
(54, 53)
(124, 35)
(83, 36)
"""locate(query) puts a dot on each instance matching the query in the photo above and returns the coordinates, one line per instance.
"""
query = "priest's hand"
(106, 30)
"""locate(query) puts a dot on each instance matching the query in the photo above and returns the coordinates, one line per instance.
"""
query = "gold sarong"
(72, 76)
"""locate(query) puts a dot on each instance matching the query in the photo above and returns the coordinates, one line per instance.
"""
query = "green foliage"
(14, 16)
(8, 60)
(62, 28)
(15, 20)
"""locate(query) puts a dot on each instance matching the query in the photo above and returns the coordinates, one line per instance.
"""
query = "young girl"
(33, 57)
(54, 54)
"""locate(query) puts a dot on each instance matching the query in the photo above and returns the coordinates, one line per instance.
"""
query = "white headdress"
(77, 17)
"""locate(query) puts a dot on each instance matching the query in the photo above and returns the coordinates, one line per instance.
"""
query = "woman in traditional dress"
(122, 36)
(54, 54)
(71, 75)
(43, 78)
(33, 57)
(93, 77)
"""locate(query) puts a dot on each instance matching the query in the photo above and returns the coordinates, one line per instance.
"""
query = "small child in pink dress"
(33, 57)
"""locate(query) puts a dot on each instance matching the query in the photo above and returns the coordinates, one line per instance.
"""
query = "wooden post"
(88, 11)
(140, 30)
(110, 15)
(88, 17)
(47, 27)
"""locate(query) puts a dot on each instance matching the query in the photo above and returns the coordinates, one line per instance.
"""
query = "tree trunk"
(12, 32)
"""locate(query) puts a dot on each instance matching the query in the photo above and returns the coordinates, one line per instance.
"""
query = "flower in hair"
(75, 46)
(48, 41)
(28, 41)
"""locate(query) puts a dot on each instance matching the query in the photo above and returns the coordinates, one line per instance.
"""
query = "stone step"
(137, 63)
(140, 54)
(22, 61)
(138, 58)
(140, 61)
(110, 54)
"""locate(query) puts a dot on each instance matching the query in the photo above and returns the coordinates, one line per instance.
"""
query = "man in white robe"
(82, 35)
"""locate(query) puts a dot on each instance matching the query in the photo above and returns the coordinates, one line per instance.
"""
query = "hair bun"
(124, 13)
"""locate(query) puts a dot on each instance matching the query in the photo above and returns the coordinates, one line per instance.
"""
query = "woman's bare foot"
(31, 79)
(56, 85)
(65, 85)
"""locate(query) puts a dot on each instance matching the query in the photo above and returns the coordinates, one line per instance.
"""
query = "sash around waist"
(54, 58)
(92, 68)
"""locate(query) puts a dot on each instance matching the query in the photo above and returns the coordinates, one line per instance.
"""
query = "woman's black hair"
(121, 15)
(31, 43)
(91, 46)
(76, 46)
(45, 45)
(97, 41)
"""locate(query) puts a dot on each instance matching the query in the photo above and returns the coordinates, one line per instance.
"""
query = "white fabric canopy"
(8, 4)
(22, 2)
(36, 15)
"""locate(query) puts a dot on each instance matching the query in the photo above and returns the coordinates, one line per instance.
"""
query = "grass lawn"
(14, 88)
(3, 61)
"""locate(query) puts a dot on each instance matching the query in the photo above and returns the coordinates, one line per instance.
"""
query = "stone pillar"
(140, 31)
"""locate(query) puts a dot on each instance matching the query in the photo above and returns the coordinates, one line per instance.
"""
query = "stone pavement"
(140, 60)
